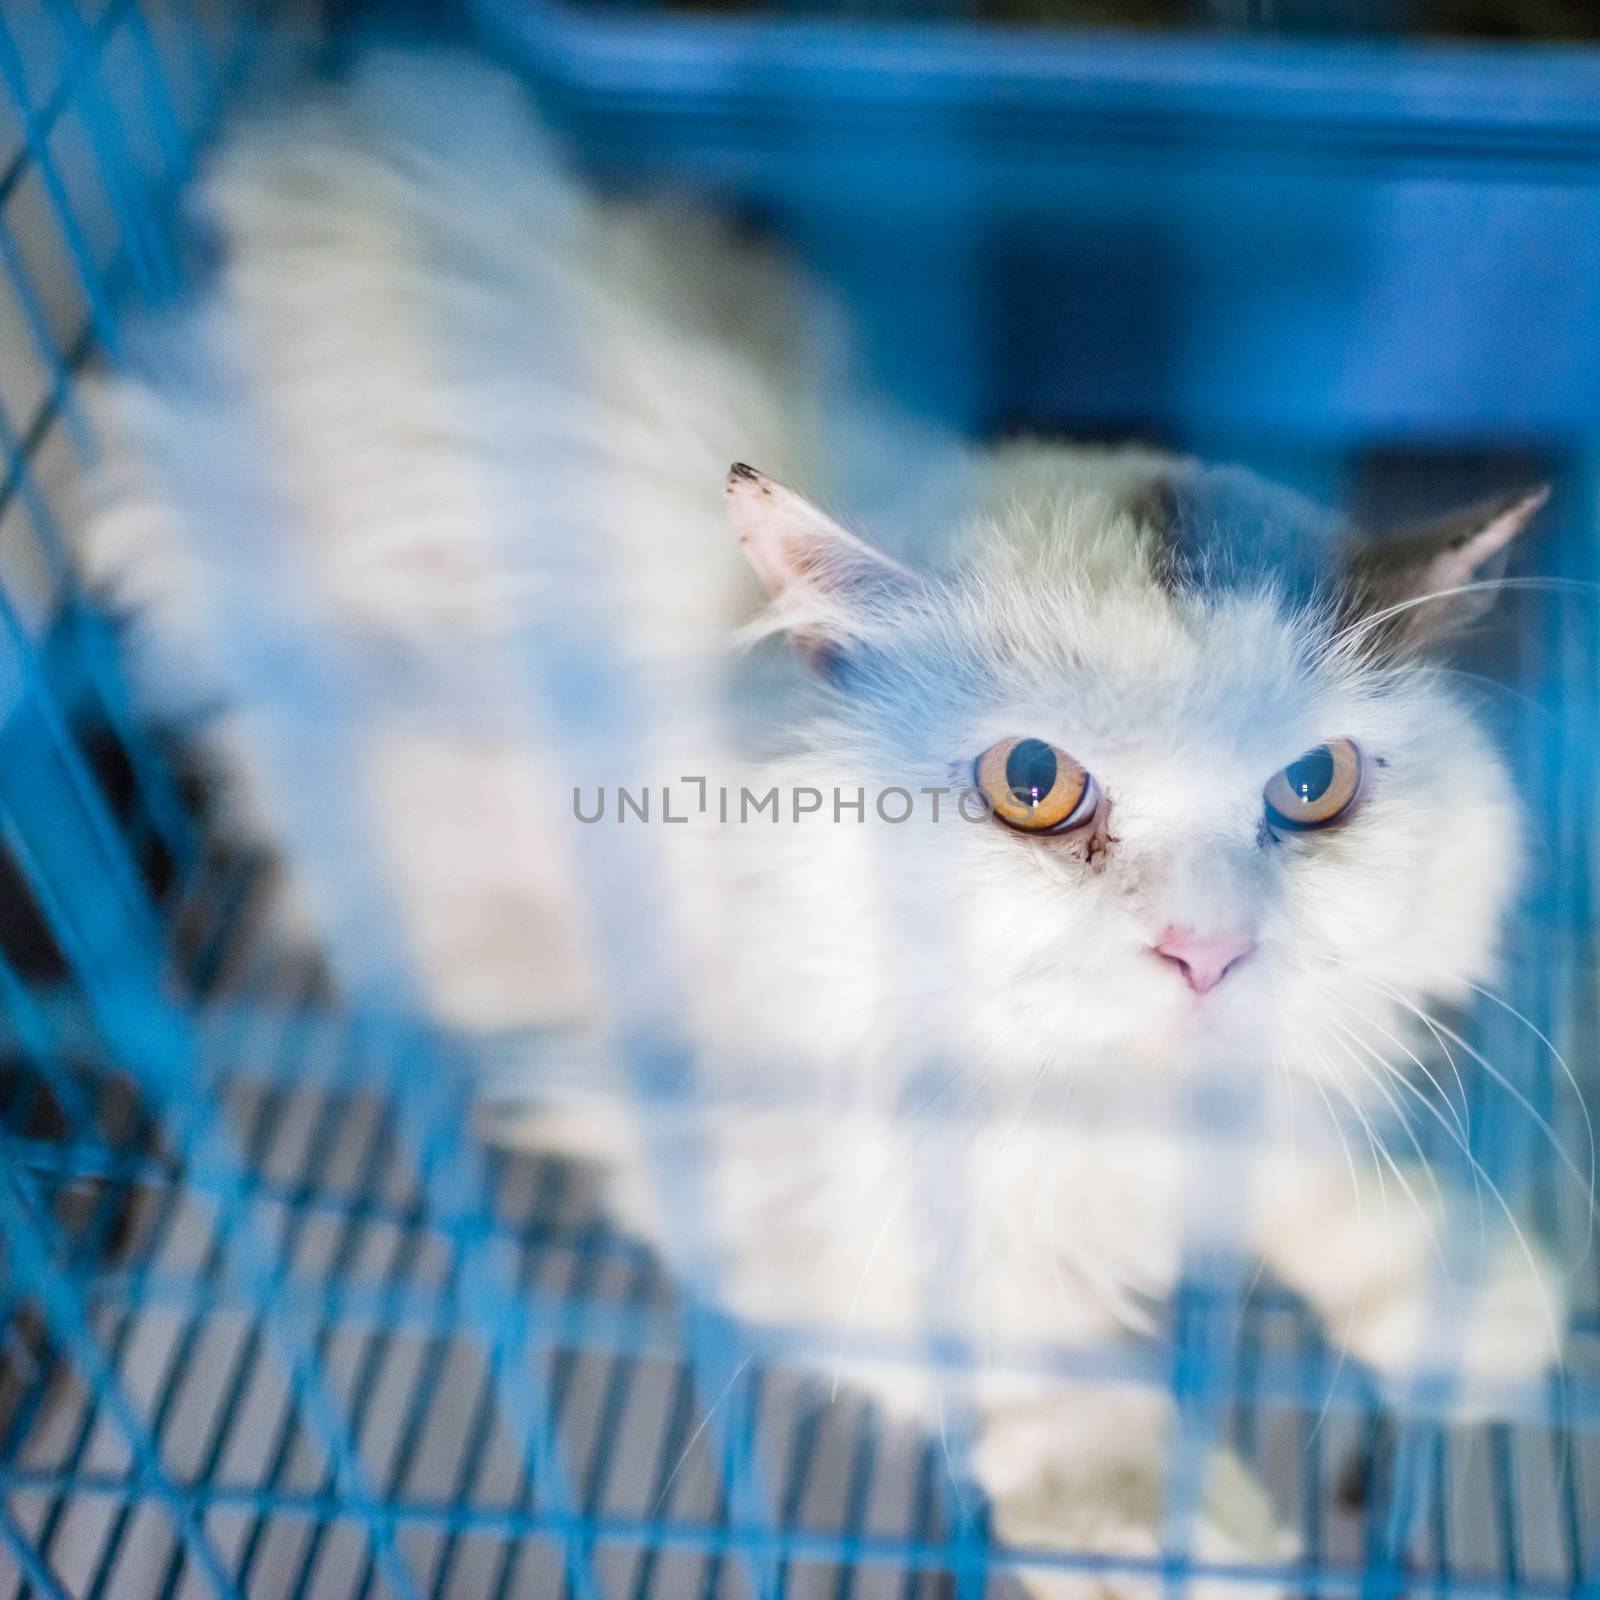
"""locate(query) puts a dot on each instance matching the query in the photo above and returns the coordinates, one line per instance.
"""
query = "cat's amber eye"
(1034, 787)
(1317, 790)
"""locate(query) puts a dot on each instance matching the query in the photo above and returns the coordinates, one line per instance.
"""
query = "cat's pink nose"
(1204, 959)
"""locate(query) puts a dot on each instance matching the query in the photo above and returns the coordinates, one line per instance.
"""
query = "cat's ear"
(1423, 582)
(826, 585)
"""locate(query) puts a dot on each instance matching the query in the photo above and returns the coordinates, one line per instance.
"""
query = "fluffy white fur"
(418, 519)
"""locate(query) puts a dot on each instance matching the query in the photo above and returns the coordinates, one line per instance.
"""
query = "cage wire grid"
(274, 1323)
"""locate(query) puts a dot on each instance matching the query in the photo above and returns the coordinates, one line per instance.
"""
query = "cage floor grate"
(356, 1374)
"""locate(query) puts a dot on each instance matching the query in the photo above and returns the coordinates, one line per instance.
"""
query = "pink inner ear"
(776, 555)
(1454, 568)
(790, 543)
(777, 530)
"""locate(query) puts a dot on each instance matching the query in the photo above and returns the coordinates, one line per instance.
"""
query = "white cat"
(417, 521)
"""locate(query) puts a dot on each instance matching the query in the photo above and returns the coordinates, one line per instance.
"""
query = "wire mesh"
(275, 1322)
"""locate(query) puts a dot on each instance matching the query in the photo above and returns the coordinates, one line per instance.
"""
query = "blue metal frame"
(1246, 214)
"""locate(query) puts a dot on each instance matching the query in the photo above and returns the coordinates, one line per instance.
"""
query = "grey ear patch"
(1422, 583)
(1158, 509)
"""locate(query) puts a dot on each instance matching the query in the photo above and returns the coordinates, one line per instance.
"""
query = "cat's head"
(1235, 809)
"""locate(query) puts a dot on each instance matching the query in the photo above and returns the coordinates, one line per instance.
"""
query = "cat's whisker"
(1337, 1123)
(1462, 1118)
(1578, 1095)
(957, 1489)
(1480, 1177)
(1375, 619)
(1290, 1098)
(1343, 1346)
(1482, 681)
(1379, 987)
(1442, 1030)
(1365, 1124)
(1457, 1134)
(1558, 1148)
(704, 1423)
(1282, 1066)
(1388, 1156)
(1552, 1323)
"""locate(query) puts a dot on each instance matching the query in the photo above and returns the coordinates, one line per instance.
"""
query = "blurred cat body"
(424, 532)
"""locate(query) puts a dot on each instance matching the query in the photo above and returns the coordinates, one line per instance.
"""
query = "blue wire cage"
(273, 1321)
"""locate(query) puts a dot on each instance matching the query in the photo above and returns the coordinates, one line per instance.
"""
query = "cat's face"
(1221, 829)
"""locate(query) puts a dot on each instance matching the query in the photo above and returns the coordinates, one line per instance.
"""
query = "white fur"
(486, 421)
